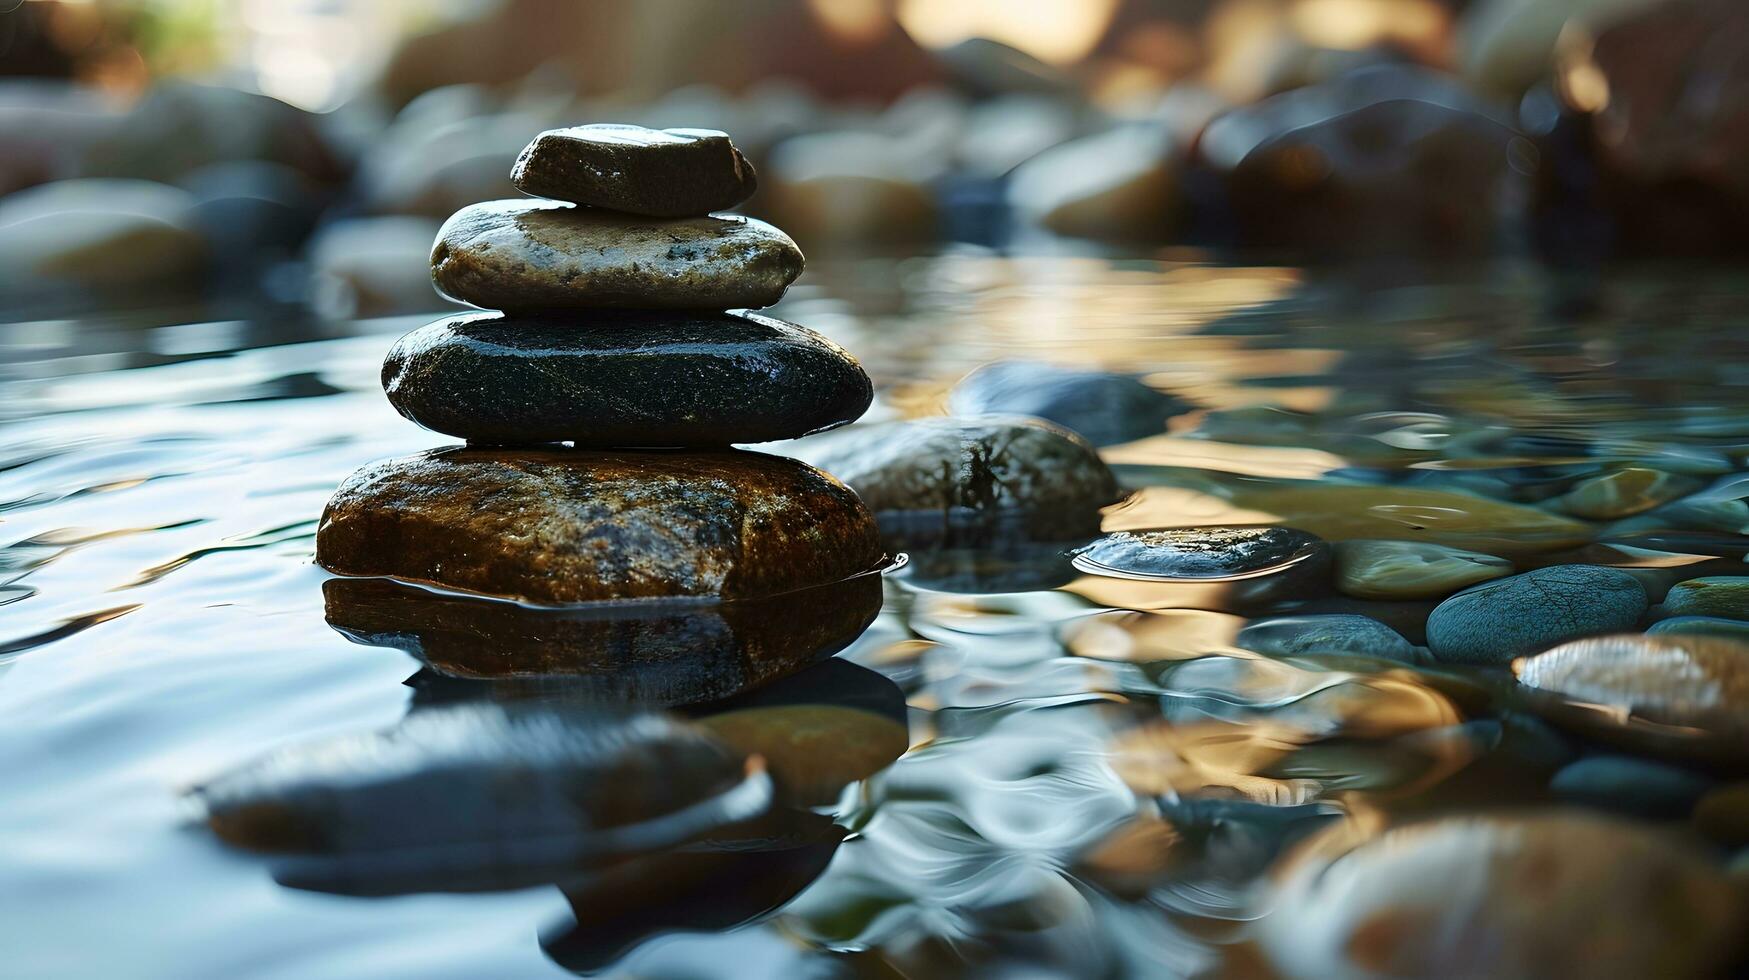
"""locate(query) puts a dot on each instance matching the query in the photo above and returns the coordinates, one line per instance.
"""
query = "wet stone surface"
(1494, 622)
(623, 379)
(534, 256)
(563, 527)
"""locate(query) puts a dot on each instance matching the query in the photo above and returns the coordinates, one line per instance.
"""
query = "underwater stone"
(623, 379)
(1099, 406)
(1330, 633)
(1411, 569)
(1722, 596)
(1630, 786)
(1496, 621)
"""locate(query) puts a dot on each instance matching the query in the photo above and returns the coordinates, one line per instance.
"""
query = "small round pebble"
(1383, 569)
(1496, 621)
(1202, 553)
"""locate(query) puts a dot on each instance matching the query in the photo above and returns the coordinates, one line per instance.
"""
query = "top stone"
(663, 173)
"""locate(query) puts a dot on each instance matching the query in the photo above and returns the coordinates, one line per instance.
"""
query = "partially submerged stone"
(649, 653)
(945, 480)
(623, 379)
(1235, 568)
(1327, 633)
(664, 173)
(532, 256)
(1371, 569)
(1623, 492)
(1682, 696)
(1099, 406)
(483, 797)
(560, 526)
(1550, 893)
(1496, 621)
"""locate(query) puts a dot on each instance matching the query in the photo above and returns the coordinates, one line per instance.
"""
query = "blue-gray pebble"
(1327, 633)
(1494, 622)
(1636, 787)
(1725, 596)
(1102, 407)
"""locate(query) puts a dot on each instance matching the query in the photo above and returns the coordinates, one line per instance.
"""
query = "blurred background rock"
(247, 157)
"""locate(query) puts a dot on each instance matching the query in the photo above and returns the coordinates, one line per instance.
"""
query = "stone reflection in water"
(662, 652)
(1202, 567)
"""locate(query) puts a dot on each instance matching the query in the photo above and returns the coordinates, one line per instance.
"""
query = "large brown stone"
(565, 526)
(532, 256)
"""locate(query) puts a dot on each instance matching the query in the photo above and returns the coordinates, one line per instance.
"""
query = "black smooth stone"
(623, 379)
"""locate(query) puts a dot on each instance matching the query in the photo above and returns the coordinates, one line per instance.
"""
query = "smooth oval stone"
(665, 173)
(563, 526)
(1630, 786)
(482, 796)
(1340, 512)
(1496, 621)
(1203, 553)
(1331, 633)
(1411, 569)
(650, 653)
(534, 256)
(1681, 696)
(965, 481)
(624, 379)
(1501, 896)
(1700, 626)
(1099, 406)
(1723, 596)
(1626, 491)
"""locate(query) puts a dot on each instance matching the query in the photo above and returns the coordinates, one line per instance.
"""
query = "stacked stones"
(612, 337)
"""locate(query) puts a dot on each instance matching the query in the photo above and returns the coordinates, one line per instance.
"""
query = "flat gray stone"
(664, 173)
(1496, 621)
(623, 379)
(534, 256)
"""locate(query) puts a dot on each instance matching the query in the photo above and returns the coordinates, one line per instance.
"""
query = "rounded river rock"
(525, 256)
(664, 173)
(571, 526)
(623, 379)
(1496, 621)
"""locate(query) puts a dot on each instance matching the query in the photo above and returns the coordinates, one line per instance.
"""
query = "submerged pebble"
(1502, 896)
(1411, 569)
(1721, 596)
(1204, 553)
(534, 256)
(1630, 490)
(1496, 621)
(623, 379)
(1700, 626)
(1626, 785)
(1683, 696)
(577, 526)
(1330, 633)
(961, 481)
(483, 796)
(1101, 407)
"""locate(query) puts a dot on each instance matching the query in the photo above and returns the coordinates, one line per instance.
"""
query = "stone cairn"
(615, 321)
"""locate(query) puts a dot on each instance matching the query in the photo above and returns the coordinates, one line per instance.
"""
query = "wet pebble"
(1679, 696)
(530, 256)
(1721, 596)
(578, 526)
(1700, 626)
(1413, 902)
(1496, 621)
(1336, 633)
(664, 173)
(1627, 491)
(1378, 569)
(623, 379)
(1099, 406)
(1635, 787)
(964, 481)
(483, 796)
(1204, 553)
